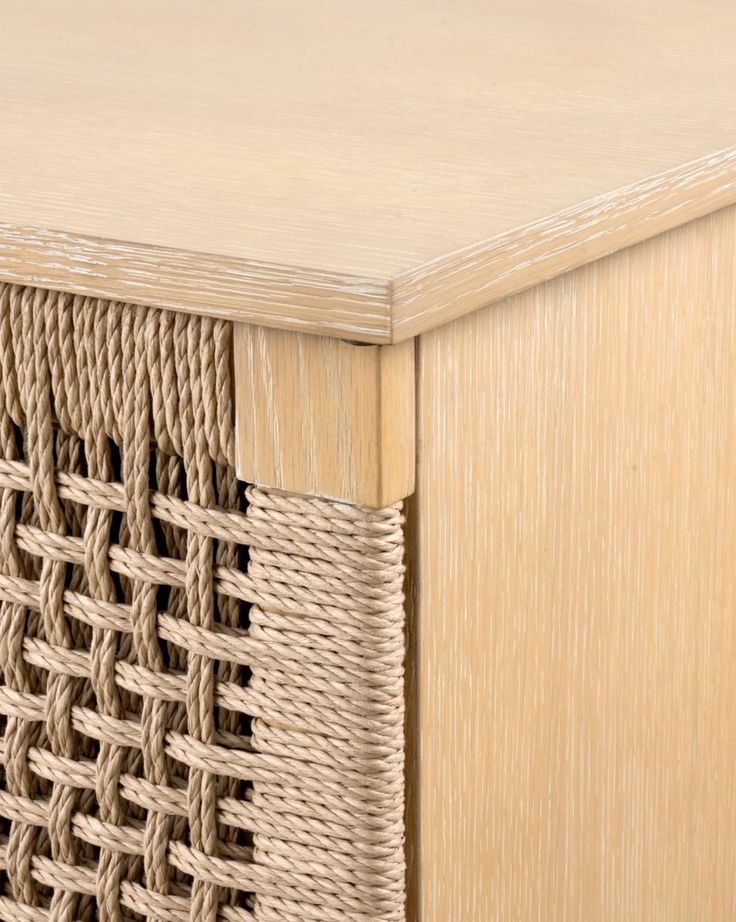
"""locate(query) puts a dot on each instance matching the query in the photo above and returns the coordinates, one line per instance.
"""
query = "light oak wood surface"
(576, 602)
(360, 168)
(319, 416)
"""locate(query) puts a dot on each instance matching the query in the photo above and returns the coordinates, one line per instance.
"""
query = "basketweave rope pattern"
(201, 689)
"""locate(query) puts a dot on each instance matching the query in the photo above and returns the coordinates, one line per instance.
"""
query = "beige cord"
(202, 686)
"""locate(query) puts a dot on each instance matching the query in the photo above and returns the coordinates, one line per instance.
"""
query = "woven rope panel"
(202, 685)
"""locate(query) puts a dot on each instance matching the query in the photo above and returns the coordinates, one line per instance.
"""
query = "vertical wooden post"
(320, 416)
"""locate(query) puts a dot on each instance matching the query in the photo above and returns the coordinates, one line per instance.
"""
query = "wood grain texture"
(319, 416)
(218, 286)
(354, 168)
(576, 603)
(439, 292)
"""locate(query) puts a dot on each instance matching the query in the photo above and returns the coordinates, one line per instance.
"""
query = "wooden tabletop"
(361, 168)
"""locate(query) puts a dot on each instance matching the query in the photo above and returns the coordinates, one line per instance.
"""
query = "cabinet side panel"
(576, 608)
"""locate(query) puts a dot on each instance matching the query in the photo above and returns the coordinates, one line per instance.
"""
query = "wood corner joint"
(325, 417)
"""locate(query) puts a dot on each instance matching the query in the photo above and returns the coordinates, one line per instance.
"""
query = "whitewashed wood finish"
(462, 282)
(319, 416)
(576, 602)
(218, 286)
(359, 169)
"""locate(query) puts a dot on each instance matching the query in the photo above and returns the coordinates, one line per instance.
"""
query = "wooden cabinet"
(481, 261)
